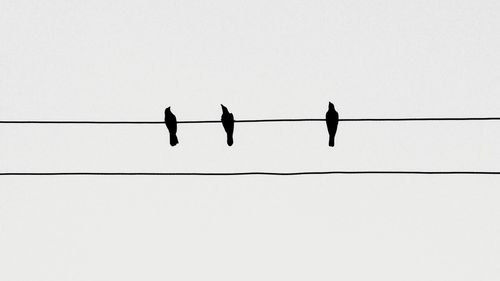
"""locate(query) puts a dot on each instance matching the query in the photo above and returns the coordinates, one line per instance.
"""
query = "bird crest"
(224, 109)
(331, 106)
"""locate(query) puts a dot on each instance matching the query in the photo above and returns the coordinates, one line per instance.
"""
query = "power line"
(301, 173)
(409, 119)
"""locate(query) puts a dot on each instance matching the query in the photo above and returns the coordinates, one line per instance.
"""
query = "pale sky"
(128, 60)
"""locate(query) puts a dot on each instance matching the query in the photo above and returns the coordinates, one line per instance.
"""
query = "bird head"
(331, 106)
(224, 109)
(167, 110)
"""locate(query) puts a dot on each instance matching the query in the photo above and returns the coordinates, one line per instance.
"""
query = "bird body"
(171, 123)
(227, 120)
(332, 122)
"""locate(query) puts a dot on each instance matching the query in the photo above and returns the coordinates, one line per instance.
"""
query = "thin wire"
(248, 173)
(253, 120)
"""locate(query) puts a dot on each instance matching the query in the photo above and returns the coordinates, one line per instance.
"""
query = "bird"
(332, 122)
(171, 123)
(227, 119)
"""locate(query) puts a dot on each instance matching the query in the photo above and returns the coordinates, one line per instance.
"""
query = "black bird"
(332, 122)
(227, 119)
(171, 123)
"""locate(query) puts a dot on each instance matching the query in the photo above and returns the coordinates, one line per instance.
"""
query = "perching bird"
(227, 119)
(171, 123)
(332, 122)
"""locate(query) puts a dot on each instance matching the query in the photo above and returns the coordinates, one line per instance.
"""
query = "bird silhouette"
(171, 123)
(227, 119)
(332, 122)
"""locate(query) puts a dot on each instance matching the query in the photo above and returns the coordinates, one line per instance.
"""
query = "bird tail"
(332, 141)
(173, 139)
(229, 140)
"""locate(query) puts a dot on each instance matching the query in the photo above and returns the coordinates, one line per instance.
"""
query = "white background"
(128, 60)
